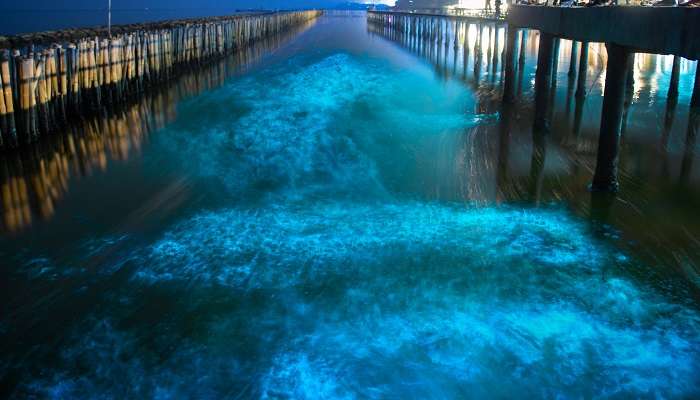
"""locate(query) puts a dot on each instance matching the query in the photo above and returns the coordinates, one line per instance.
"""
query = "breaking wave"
(335, 288)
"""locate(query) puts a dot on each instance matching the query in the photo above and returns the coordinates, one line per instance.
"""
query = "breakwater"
(35, 179)
(51, 79)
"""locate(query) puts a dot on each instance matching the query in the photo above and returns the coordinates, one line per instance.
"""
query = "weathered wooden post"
(509, 82)
(555, 60)
(504, 136)
(690, 141)
(63, 83)
(455, 32)
(74, 77)
(554, 78)
(3, 122)
(465, 51)
(496, 53)
(9, 129)
(572, 59)
(578, 115)
(543, 80)
(582, 71)
(51, 85)
(675, 77)
(571, 82)
(478, 52)
(629, 93)
(523, 46)
(42, 95)
(605, 177)
(540, 128)
(28, 99)
(669, 118)
(695, 99)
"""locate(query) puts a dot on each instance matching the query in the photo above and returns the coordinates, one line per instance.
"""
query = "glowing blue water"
(313, 275)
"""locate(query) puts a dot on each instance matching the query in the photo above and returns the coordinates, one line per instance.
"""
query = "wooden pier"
(624, 30)
(52, 78)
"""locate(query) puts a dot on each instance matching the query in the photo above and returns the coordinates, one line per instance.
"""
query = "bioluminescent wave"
(300, 128)
(418, 300)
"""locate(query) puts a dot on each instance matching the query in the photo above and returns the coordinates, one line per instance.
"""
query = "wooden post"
(675, 77)
(629, 93)
(578, 115)
(3, 119)
(690, 141)
(582, 71)
(41, 93)
(73, 62)
(572, 59)
(27, 99)
(542, 83)
(669, 118)
(554, 77)
(695, 100)
(9, 129)
(605, 178)
(55, 84)
(509, 83)
(523, 46)
(477, 52)
(496, 53)
(63, 84)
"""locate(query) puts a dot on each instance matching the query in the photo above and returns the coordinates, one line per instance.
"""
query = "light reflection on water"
(348, 220)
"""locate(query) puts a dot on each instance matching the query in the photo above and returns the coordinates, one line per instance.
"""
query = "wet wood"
(605, 177)
(63, 76)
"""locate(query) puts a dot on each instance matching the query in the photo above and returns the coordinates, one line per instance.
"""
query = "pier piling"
(675, 77)
(582, 71)
(695, 99)
(509, 82)
(543, 81)
(57, 77)
(572, 59)
(605, 177)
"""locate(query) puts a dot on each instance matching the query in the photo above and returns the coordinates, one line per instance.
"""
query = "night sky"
(41, 15)
(173, 4)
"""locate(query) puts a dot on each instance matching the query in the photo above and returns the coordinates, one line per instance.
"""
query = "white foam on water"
(279, 128)
(459, 299)
(334, 289)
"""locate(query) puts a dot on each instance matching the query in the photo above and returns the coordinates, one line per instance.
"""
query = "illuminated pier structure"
(675, 31)
(53, 78)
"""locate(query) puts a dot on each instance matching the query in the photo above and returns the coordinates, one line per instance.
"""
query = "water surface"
(347, 215)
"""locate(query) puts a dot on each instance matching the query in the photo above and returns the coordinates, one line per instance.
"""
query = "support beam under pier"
(543, 79)
(605, 178)
(509, 84)
(695, 100)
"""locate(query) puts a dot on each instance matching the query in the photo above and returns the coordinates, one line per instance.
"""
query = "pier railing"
(50, 78)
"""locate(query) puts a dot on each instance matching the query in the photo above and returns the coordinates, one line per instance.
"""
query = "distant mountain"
(357, 6)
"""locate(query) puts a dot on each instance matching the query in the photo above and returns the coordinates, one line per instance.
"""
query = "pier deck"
(657, 30)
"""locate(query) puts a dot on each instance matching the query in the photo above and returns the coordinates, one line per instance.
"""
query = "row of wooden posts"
(427, 27)
(33, 180)
(619, 81)
(46, 85)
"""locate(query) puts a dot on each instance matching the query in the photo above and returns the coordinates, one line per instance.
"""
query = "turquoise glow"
(318, 257)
